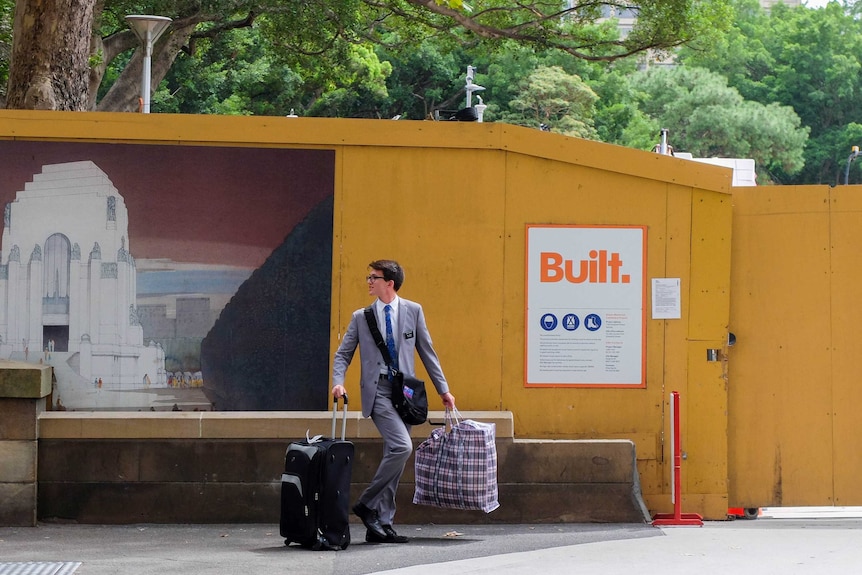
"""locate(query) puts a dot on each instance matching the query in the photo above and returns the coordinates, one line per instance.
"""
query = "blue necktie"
(390, 340)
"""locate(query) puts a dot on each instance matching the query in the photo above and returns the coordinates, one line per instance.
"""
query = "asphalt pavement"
(769, 545)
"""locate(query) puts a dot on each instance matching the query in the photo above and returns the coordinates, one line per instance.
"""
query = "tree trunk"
(49, 68)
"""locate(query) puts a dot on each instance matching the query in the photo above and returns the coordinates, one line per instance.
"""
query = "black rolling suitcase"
(315, 490)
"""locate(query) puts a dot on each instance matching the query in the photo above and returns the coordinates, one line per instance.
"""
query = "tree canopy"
(810, 60)
(6, 9)
(709, 119)
(318, 28)
(558, 101)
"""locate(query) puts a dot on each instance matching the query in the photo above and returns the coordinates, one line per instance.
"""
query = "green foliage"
(827, 156)
(708, 118)
(551, 97)
(808, 59)
(423, 80)
(311, 28)
(257, 71)
(507, 73)
(313, 39)
(358, 89)
(7, 9)
(96, 58)
(238, 73)
(501, 73)
(637, 130)
(618, 118)
(233, 74)
(675, 22)
(579, 28)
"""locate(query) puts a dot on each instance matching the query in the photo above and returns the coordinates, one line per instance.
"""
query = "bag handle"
(450, 416)
(343, 417)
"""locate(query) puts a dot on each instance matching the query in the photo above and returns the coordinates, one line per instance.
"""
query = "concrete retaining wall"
(205, 467)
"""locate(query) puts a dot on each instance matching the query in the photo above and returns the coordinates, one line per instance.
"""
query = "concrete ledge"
(288, 425)
(206, 480)
(203, 467)
(535, 503)
(24, 380)
(568, 461)
(118, 503)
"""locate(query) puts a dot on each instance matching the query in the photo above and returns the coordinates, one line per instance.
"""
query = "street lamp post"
(470, 87)
(850, 161)
(148, 29)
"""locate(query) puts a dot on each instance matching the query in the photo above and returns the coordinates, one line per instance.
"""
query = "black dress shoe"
(370, 519)
(391, 536)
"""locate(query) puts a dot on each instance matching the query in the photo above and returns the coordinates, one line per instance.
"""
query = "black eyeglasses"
(372, 279)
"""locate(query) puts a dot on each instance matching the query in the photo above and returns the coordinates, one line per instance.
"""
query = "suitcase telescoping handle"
(343, 417)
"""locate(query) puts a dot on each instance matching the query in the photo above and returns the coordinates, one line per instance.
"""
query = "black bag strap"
(375, 333)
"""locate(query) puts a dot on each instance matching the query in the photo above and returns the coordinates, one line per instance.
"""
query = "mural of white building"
(68, 282)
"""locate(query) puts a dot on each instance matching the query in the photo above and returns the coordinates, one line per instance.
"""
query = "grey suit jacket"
(414, 337)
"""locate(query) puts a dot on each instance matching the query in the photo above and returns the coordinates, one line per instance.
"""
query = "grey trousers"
(397, 447)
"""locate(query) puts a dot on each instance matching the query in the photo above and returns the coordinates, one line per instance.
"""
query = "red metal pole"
(677, 517)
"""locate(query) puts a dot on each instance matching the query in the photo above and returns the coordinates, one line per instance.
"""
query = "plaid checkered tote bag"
(457, 469)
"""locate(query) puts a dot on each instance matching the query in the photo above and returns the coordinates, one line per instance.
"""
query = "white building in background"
(68, 281)
(744, 172)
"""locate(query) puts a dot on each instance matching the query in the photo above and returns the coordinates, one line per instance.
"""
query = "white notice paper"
(666, 298)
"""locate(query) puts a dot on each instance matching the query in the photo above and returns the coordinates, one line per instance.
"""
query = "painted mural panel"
(156, 277)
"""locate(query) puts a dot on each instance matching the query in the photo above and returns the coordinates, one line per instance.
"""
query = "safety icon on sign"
(592, 322)
(571, 322)
(549, 322)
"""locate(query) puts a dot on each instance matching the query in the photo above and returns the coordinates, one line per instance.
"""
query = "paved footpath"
(786, 546)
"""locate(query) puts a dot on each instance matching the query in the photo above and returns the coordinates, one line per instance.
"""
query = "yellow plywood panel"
(188, 129)
(712, 506)
(846, 243)
(703, 433)
(439, 213)
(574, 195)
(653, 484)
(709, 291)
(703, 391)
(780, 397)
(674, 359)
(616, 159)
(777, 200)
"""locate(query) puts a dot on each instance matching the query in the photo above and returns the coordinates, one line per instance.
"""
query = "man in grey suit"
(406, 326)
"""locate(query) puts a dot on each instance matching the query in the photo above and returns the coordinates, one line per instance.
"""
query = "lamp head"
(142, 24)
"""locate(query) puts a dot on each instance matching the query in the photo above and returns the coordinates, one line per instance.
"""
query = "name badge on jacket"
(408, 334)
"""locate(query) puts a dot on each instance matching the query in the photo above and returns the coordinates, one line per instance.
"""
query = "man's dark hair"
(391, 271)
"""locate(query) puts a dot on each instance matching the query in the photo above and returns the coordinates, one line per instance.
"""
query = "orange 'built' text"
(600, 268)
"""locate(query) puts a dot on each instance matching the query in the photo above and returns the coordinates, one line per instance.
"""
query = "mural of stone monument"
(68, 284)
(119, 260)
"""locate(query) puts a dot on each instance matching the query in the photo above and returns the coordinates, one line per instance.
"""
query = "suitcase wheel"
(321, 544)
